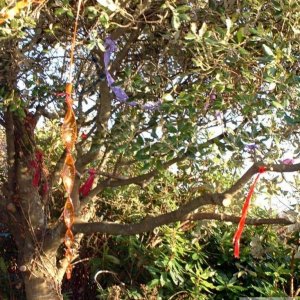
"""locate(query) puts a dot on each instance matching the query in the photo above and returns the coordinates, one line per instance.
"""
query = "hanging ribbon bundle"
(69, 136)
(238, 233)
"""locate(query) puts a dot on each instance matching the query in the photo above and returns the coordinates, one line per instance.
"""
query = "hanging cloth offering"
(69, 137)
(238, 233)
(86, 187)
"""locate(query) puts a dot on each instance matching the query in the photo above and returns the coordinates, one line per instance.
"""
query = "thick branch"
(236, 219)
(145, 177)
(122, 54)
(141, 179)
(254, 169)
(149, 224)
(186, 212)
(55, 174)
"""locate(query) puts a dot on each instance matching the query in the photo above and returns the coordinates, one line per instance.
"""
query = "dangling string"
(74, 41)
(238, 233)
(69, 136)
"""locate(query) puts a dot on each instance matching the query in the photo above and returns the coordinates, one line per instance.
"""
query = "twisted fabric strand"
(69, 137)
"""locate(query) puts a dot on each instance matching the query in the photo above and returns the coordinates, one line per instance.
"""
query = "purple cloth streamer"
(288, 161)
(111, 47)
(120, 94)
(210, 101)
(152, 105)
(219, 116)
(109, 79)
(251, 147)
(132, 103)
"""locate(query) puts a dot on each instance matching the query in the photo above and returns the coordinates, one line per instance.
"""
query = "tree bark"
(40, 288)
(29, 224)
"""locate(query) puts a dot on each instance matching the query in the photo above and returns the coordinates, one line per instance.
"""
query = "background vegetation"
(205, 92)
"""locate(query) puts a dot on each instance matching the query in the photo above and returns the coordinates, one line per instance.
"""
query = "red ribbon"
(37, 166)
(84, 136)
(85, 189)
(238, 233)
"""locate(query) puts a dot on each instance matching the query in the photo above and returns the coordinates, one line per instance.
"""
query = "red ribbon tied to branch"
(238, 233)
(86, 187)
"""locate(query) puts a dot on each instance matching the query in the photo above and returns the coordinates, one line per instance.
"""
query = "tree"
(207, 88)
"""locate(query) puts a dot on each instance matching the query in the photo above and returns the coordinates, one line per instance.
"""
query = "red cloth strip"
(238, 233)
(37, 166)
(85, 189)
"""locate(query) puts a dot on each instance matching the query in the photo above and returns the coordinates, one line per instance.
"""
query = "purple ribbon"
(120, 94)
(288, 161)
(251, 147)
(111, 47)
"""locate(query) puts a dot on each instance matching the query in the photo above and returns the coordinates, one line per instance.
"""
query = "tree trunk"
(40, 272)
(39, 266)
(25, 205)
(41, 288)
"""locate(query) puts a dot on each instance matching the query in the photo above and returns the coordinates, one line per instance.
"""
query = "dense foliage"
(194, 261)
(174, 101)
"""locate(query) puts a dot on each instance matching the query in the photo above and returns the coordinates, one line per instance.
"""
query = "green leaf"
(195, 256)
(153, 283)
(240, 35)
(190, 36)
(142, 154)
(183, 8)
(202, 30)
(277, 104)
(60, 11)
(207, 284)
(112, 259)
(267, 50)
(176, 21)
(163, 279)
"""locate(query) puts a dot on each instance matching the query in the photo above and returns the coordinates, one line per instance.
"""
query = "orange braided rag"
(69, 137)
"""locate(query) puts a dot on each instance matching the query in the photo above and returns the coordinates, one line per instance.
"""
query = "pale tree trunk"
(24, 206)
(27, 219)
(39, 288)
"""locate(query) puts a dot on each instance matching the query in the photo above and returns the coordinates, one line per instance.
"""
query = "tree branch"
(139, 180)
(185, 212)
(254, 169)
(148, 224)
(55, 174)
